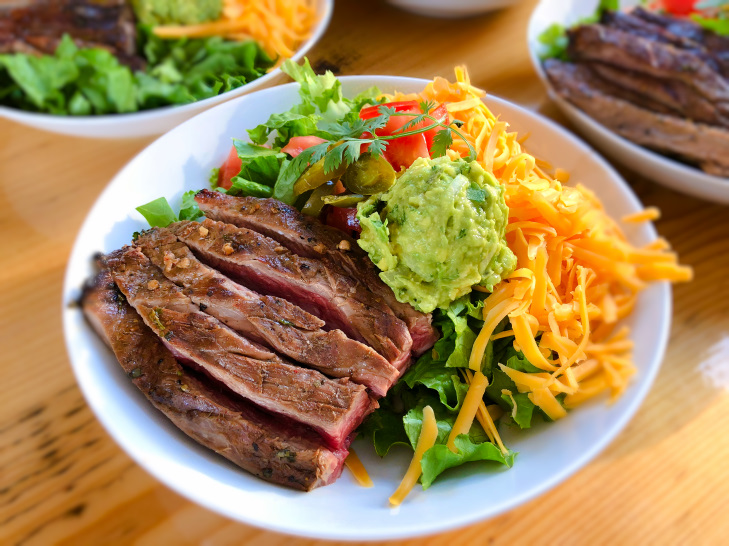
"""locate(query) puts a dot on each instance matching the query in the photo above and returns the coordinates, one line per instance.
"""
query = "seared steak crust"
(272, 321)
(39, 27)
(695, 142)
(269, 448)
(264, 265)
(332, 407)
(309, 238)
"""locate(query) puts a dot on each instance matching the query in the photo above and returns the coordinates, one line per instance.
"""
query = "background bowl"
(157, 120)
(452, 8)
(649, 164)
(181, 160)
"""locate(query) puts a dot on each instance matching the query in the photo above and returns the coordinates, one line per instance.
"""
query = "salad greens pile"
(437, 378)
(84, 81)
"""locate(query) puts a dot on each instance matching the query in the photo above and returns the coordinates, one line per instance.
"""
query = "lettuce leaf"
(158, 213)
(86, 81)
(440, 458)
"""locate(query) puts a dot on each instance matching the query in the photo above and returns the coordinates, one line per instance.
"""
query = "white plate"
(651, 165)
(452, 8)
(181, 160)
(157, 120)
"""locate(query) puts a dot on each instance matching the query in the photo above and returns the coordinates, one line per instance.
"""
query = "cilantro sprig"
(347, 138)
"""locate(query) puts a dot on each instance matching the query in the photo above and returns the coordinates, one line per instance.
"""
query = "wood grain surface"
(664, 480)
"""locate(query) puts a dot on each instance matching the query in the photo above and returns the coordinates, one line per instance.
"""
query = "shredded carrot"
(577, 274)
(279, 26)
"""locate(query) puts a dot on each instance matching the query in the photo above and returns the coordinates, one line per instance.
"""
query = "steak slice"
(674, 96)
(272, 449)
(334, 408)
(264, 265)
(598, 43)
(39, 27)
(695, 142)
(273, 321)
(686, 28)
(309, 238)
(632, 23)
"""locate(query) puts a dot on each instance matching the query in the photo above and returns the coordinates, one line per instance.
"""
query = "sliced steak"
(663, 96)
(39, 27)
(309, 238)
(275, 322)
(272, 449)
(332, 407)
(697, 143)
(598, 43)
(686, 28)
(266, 266)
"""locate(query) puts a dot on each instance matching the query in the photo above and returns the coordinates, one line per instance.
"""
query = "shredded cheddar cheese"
(357, 469)
(279, 26)
(576, 277)
(428, 435)
(469, 408)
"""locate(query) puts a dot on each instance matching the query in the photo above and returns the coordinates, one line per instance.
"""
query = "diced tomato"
(401, 152)
(678, 7)
(345, 219)
(230, 168)
(298, 144)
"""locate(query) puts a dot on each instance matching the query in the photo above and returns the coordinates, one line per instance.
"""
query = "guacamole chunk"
(177, 12)
(438, 231)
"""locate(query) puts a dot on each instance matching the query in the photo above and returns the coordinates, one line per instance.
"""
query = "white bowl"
(451, 8)
(660, 169)
(181, 160)
(157, 120)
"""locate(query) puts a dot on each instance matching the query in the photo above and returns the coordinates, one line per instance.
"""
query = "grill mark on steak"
(598, 43)
(686, 28)
(264, 265)
(698, 143)
(334, 408)
(309, 238)
(272, 449)
(39, 27)
(273, 321)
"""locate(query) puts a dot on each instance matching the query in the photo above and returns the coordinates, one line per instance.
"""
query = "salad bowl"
(181, 160)
(158, 120)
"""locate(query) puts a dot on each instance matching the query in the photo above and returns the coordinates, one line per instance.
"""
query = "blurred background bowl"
(451, 8)
(158, 120)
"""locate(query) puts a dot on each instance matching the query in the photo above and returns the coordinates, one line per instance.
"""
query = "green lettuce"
(87, 81)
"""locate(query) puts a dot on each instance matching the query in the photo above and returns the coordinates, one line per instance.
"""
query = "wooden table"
(664, 480)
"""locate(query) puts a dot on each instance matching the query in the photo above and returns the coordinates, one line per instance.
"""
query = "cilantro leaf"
(441, 142)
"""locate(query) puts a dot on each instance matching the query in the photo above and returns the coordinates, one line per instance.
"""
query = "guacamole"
(438, 231)
(179, 12)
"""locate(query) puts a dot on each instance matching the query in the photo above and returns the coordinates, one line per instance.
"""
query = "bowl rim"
(427, 527)
(101, 120)
(714, 184)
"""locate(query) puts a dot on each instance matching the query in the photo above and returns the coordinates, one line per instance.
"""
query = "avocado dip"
(177, 12)
(438, 231)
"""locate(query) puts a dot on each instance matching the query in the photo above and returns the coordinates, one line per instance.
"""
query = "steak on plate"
(701, 144)
(264, 265)
(38, 27)
(309, 238)
(334, 408)
(272, 321)
(271, 448)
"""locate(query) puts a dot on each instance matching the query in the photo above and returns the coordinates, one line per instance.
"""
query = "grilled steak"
(39, 27)
(701, 144)
(634, 24)
(272, 321)
(332, 407)
(662, 95)
(309, 238)
(686, 28)
(272, 449)
(598, 43)
(264, 265)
